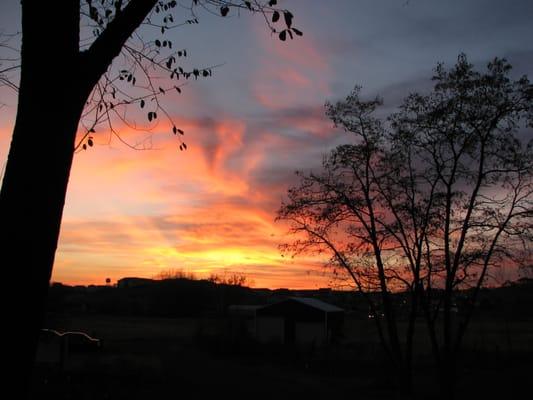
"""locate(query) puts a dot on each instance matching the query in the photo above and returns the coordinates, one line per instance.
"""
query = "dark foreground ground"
(158, 358)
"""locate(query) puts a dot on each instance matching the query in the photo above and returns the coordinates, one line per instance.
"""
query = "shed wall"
(270, 329)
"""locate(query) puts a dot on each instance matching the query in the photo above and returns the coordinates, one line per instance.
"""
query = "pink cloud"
(290, 72)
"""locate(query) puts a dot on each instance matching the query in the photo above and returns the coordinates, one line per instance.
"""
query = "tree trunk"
(56, 79)
(409, 339)
(448, 377)
(37, 172)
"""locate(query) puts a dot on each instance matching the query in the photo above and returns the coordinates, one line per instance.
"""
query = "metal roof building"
(295, 320)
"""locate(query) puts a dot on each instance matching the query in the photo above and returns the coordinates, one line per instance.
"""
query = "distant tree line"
(175, 297)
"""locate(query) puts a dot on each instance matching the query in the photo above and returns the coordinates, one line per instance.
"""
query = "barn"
(299, 321)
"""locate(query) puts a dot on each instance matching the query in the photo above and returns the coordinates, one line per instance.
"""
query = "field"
(172, 357)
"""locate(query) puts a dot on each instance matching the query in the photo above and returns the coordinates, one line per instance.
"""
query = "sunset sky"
(249, 127)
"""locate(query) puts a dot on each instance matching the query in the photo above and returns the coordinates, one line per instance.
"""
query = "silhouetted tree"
(230, 278)
(9, 62)
(65, 79)
(174, 273)
(434, 197)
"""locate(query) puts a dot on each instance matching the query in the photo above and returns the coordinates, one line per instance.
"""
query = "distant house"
(133, 282)
(295, 320)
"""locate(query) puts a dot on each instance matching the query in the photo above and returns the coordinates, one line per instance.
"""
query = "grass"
(152, 358)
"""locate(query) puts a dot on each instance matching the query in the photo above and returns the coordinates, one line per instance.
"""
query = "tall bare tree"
(428, 202)
(9, 61)
(67, 78)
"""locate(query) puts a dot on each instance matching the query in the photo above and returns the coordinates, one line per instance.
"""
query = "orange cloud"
(210, 208)
(245, 242)
(141, 212)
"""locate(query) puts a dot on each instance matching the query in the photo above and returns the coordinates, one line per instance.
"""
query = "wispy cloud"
(259, 118)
